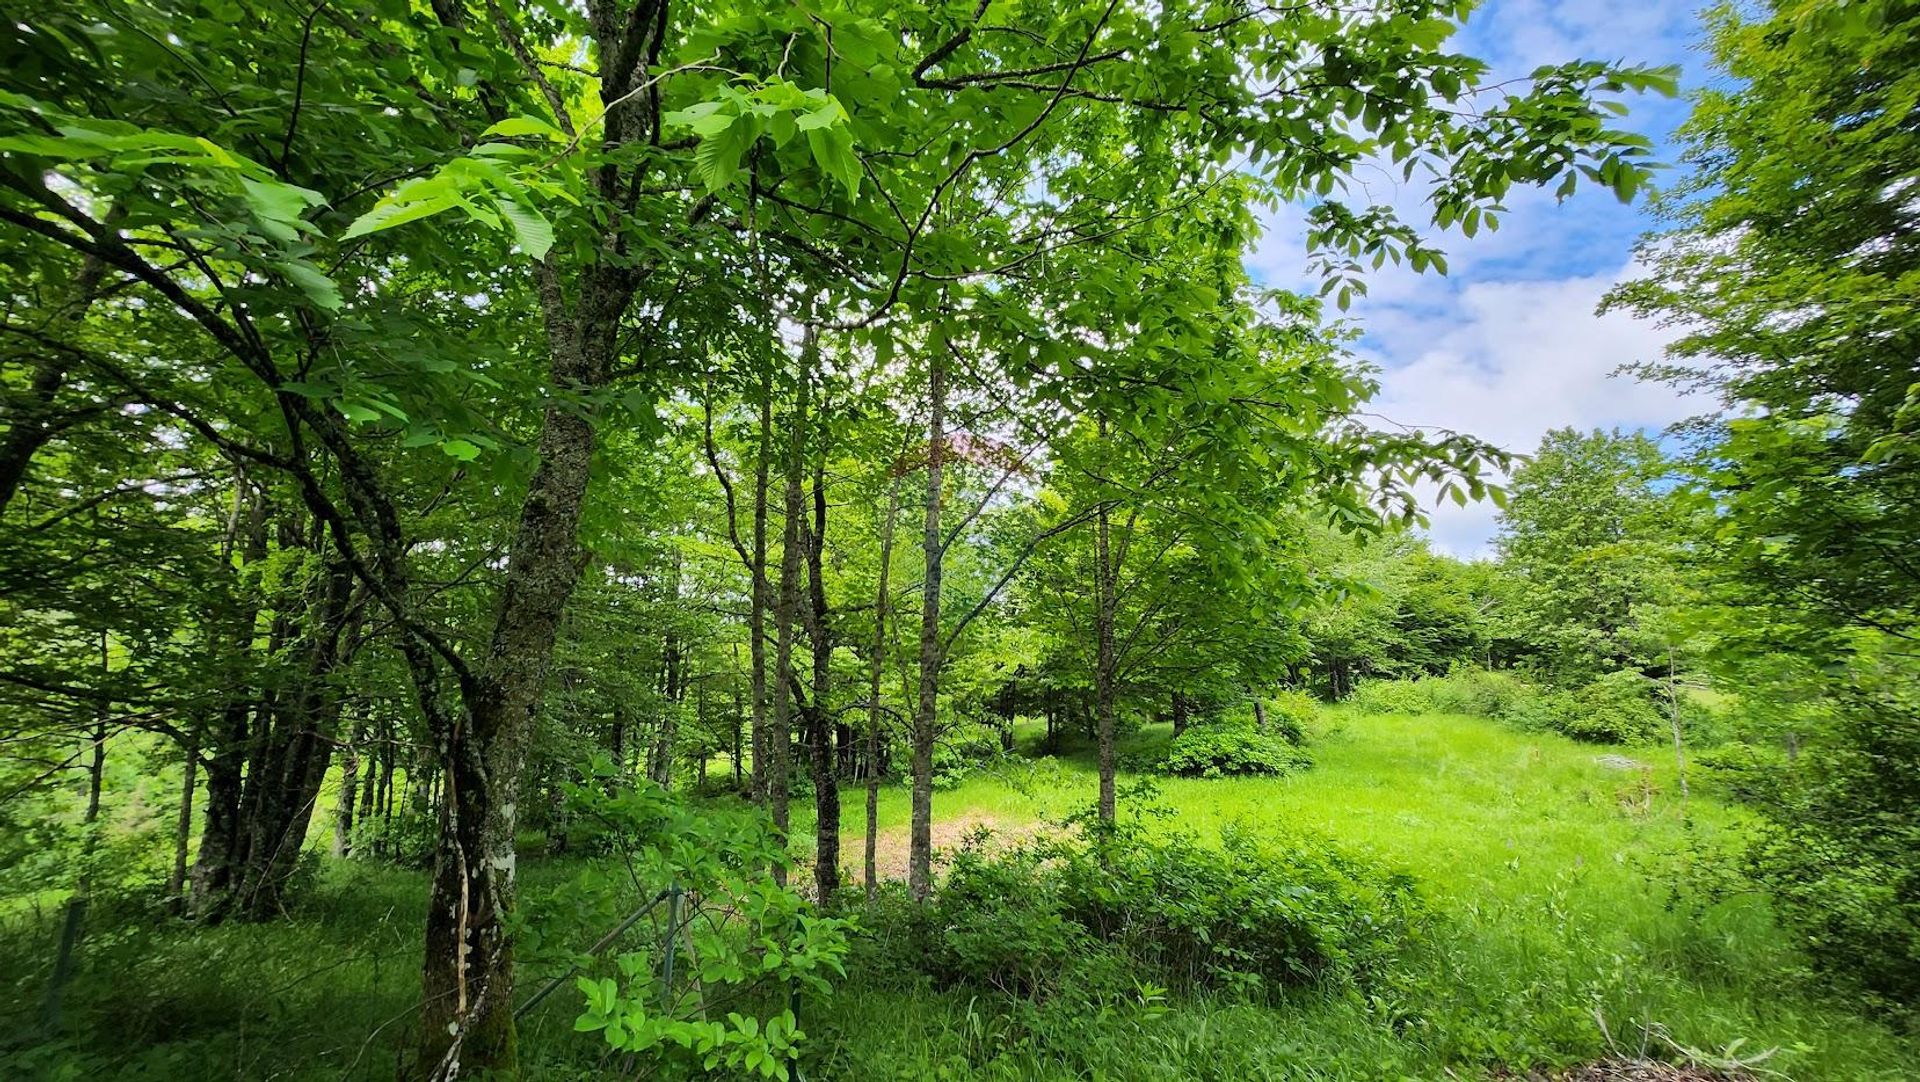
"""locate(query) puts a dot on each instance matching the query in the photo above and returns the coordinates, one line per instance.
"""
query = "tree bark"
(343, 807)
(467, 980)
(183, 826)
(76, 912)
(820, 729)
(877, 664)
(780, 733)
(757, 612)
(292, 753)
(221, 838)
(1104, 655)
(920, 850)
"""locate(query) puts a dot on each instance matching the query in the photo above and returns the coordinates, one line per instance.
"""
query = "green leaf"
(717, 159)
(525, 125)
(826, 116)
(531, 230)
(279, 202)
(833, 152)
(319, 288)
(460, 450)
(387, 215)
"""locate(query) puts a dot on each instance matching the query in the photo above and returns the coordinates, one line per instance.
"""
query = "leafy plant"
(1092, 911)
(1290, 713)
(722, 948)
(1215, 751)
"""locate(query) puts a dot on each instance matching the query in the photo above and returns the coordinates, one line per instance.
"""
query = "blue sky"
(1507, 345)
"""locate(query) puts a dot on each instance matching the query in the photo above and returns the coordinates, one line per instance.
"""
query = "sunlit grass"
(1553, 866)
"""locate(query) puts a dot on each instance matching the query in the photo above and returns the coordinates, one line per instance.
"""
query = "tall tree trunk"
(920, 849)
(780, 734)
(1103, 675)
(467, 980)
(183, 826)
(757, 610)
(739, 715)
(222, 838)
(292, 755)
(1259, 713)
(1179, 713)
(878, 663)
(343, 807)
(76, 913)
(826, 784)
(672, 691)
(370, 781)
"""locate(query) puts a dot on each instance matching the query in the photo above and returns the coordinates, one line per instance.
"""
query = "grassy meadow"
(1558, 937)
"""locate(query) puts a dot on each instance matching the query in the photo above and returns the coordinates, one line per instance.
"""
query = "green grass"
(1554, 877)
(1550, 875)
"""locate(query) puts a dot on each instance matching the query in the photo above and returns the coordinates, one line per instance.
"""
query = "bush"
(703, 880)
(1839, 845)
(1290, 713)
(1476, 692)
(1618, 708)
(1095, 911)
(1215, 751)
(1392, 697)
(1481, 693)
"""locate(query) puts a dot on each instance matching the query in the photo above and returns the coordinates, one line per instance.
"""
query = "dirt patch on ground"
(893, 848)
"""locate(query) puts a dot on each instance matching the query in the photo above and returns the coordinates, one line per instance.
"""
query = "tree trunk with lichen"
(467, 1013)
(820, 727)
(920, 846)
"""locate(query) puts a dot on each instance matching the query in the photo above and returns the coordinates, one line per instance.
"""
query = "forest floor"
(1568, 940)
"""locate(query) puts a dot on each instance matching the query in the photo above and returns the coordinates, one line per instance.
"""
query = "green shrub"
(1391, 697)
(1290, 713)
(1618, 708)
(1480, 693)
(1475, 692)
(1839, 843)
(703, 880)
(1216, 751)
(1093, 912)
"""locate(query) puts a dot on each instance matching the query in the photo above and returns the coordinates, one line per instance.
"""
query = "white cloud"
(1509, 362)
(1507, 345)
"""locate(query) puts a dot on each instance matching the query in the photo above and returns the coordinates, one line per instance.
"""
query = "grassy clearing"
(1554, 874)
(1548, 868)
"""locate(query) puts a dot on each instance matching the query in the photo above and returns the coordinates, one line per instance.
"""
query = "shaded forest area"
(657, 541)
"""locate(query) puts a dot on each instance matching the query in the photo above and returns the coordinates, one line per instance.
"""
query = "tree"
(1788, 264)
(1585, 531)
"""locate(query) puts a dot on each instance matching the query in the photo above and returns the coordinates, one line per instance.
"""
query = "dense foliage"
(1790, 265)
(1095, 910)
(1221, 751)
